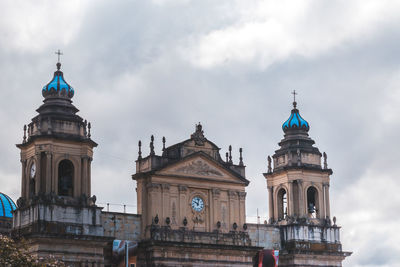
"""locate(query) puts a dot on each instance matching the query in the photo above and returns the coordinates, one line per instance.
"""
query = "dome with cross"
(295, 121)
(58, 87)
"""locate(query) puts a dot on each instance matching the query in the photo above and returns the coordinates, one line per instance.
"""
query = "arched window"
(312, 202)
(282, 204)
(66, 178)
(32, 180)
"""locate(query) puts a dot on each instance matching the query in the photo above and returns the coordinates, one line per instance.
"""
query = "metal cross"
(294, 95)
(59, 54)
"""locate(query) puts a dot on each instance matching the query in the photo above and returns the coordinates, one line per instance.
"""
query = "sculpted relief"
(199, 167)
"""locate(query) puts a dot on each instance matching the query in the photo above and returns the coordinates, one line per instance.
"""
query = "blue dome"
(6, 206)
(295, 121)
(58, 86)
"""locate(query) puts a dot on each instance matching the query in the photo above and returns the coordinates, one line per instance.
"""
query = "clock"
(33, 170)
(197, 204)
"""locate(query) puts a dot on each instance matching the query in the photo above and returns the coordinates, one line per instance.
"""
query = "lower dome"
(6, 206)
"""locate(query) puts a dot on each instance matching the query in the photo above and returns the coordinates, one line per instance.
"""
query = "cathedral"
(191, 201)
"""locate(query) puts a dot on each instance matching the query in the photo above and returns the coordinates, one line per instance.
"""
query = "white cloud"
(271, 31)
(34, 26)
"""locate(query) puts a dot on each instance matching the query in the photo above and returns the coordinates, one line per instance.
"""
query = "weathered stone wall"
(122, 226)
(264, 235)
(51, 218)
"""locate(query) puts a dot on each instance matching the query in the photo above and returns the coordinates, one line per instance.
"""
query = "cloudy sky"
(158, 67)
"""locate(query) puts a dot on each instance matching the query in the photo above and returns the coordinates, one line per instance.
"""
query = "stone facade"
(168, 189)
(190, 201)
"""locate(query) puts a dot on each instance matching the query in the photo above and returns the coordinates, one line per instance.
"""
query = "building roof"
(6, 206)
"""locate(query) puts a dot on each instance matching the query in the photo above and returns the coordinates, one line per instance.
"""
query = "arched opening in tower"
(312, 202)
(66, 178)
(282, 204)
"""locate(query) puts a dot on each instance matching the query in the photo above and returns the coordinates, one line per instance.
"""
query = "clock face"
(197, 204)
(33, 170)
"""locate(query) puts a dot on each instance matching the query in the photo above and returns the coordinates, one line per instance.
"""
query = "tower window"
(282, 204)
(312, 202)
(65, 178)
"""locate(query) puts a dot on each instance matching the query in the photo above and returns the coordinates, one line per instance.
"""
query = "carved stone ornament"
(198, 136)
(216, 191)
(182, 188)
(198, 217)
(200, 168)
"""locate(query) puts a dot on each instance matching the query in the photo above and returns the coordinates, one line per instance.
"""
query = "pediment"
(202, 167)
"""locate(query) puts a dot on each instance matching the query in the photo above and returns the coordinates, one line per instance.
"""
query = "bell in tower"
(56, 201)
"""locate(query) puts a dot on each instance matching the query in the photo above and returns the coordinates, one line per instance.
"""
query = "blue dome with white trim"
(295, 121)
(58, 87)
(6, 206)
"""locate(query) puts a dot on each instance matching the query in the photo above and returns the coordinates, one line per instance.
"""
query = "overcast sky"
(159, 67)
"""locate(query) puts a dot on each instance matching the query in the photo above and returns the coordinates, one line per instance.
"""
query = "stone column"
(77, 178)
(301, 198)
(242, 209)
(38, 176)
(232, 195)
(321, 203)
(48, 172)
(153, 204)
(182, 203)
(165, 203)
(327, 203)
(271, 202)
(84, 182)
(89, 176)
(216, 208)
(290, 200)
(23, 179)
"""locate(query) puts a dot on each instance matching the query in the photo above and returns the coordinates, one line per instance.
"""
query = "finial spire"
(58, 53)
(294, 98)
(163, 143)
(227, 157)
(152, 145)
(140, 150)
(89, 127)
(240, 157)
(24, 139)
(269, 164)
(230, 154)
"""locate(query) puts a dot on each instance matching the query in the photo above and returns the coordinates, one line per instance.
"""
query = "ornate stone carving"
(242, 195)
(165, 187)
(182, 188)
(216, 192)
(200, 168)
(152, 186)
(198, 136)
(232, 194)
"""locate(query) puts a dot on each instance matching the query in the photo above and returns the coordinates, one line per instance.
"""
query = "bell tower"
(298, 185)
(56, 212)
(57, 149)
(298, 189)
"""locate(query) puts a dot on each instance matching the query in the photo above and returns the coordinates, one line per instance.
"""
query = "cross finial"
(294, 95)
(59, 53)
(294, 98)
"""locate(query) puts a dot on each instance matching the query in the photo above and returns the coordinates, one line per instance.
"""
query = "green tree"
(13, 254)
